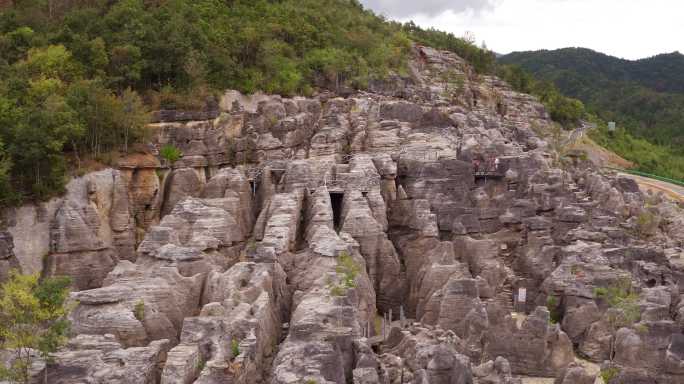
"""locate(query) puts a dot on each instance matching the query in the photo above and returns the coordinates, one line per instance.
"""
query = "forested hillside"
(79, 77)
(645, 97)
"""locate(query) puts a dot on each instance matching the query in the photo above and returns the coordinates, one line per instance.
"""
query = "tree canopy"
(32, 321)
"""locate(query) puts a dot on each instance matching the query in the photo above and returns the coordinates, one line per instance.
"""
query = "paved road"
(673, 190)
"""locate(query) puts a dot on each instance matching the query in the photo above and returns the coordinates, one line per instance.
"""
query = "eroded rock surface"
(372, 238)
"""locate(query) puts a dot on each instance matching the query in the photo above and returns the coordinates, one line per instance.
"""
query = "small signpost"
(521, 299)
(611, 126)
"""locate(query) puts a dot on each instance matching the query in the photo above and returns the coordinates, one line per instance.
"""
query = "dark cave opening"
(336, 199)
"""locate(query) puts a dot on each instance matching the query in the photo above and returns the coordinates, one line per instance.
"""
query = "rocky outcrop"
(8, 260)
(540, 349)
(236, 333)
(333, 302)
(575, 373)
(417, 233)
(103, 359)
(82, 235)
(138, 306)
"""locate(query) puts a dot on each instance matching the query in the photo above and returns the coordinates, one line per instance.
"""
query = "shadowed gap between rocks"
(336, 199)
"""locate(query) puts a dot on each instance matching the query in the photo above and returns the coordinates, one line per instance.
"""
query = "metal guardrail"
(648, 175)
(363, 184)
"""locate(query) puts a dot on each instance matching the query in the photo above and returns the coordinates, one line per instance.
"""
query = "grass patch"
(553, 306)
(235, 348)
(347, 270)
(609, 374)
(139, 310)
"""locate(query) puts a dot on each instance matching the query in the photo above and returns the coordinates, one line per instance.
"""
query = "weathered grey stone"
(575, 374)
(411, 201)
(137, 306)
(101, 359)
(179, 184)
(540, 348)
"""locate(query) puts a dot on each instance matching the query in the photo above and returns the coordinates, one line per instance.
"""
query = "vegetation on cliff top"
(77, 77)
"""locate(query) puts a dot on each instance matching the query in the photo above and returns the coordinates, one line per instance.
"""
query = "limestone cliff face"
(272, 250)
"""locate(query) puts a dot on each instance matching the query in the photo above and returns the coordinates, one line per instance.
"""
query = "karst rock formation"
(385, 236)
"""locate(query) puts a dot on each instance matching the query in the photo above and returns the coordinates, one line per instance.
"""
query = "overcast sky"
(630, 29)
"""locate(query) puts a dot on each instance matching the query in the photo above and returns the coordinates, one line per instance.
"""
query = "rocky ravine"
(271, 251)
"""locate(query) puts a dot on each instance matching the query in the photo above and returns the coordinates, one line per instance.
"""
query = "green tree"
(332, 64)
(37, 135)
(97, 110)
(32, 320)
(125, 66)
(134, 118)
(7, 193)
(53, 61)
(15, 44)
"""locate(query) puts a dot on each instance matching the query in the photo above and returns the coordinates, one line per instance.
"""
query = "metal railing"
(361, 183)
(648, 175)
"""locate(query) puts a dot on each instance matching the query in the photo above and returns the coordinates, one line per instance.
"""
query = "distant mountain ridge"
(661, 73)
(645, 96)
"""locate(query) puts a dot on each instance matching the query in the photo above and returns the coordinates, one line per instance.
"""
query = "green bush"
(337, 290)
(170, 153)
(235, 348)
(139, 310)
(621, 296)
(553, 305)
(646, 224)
(201, 364)
(600, 292)
(608, 374)
(348, 268)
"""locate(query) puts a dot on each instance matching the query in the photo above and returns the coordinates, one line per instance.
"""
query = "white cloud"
(625, 28)
(400, 9)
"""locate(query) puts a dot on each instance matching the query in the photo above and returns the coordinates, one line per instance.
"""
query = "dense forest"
(645, 97)
(79, 77)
